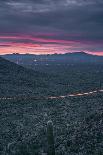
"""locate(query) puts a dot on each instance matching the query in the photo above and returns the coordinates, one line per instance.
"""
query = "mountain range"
(30, 59)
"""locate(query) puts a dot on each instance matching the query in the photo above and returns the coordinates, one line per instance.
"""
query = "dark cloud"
(5, 45)
(82, 20)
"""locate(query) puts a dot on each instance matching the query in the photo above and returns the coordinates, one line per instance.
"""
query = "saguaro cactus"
(50, 138)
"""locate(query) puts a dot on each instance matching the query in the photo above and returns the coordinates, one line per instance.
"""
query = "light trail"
(51, 97)
(101, 90)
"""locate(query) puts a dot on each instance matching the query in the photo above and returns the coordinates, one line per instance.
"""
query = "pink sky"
(47, 43)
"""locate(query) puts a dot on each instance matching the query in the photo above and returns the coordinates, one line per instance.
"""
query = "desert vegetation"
(74, 124)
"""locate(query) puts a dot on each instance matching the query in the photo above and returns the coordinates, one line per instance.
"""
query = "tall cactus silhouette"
(50, 138)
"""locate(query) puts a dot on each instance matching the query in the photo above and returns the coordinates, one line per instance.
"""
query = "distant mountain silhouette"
(76, 57)
(79, 53)
(15, 79)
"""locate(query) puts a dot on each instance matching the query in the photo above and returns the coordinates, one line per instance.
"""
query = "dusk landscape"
(51, 77)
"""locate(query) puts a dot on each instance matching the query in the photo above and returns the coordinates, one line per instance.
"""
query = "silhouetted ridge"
(15, 79)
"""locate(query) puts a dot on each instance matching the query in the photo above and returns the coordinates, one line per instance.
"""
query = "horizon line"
(30, 53)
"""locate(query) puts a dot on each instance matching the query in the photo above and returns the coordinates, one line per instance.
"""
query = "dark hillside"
(15, 79)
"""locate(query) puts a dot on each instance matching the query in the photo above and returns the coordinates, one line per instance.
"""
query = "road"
(52, 97)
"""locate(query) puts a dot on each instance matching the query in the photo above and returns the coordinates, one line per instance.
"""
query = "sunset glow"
(42, 44)
(45, 27)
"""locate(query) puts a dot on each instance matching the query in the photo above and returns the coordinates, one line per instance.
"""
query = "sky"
(51, 26)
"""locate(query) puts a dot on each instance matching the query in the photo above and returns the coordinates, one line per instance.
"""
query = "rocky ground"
(78, 125)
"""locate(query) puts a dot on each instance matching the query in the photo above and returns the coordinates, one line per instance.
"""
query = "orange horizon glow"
(23, 44)
(41, 52)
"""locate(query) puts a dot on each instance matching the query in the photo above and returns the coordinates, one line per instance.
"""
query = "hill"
(67, 73)
(15, 79)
